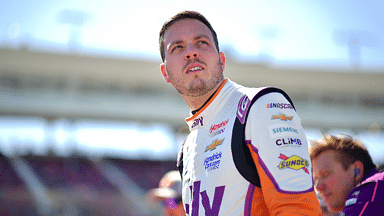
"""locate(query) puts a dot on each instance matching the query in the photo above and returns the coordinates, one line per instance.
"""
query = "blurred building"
(41, 90)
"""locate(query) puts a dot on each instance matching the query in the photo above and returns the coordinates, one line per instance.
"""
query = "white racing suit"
(247, 133)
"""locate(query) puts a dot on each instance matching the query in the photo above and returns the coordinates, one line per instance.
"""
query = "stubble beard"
(199, 86)
(335, 206)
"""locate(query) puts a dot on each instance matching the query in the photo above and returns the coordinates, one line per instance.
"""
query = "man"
(345, 176)
(246, 153)
(169, 193)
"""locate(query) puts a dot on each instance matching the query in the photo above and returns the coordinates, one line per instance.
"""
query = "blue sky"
(292, 32)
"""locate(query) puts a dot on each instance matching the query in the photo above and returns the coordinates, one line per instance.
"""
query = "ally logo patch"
(198, 121)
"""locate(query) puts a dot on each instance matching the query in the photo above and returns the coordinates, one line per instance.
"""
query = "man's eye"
(177, 47)
(202, 42)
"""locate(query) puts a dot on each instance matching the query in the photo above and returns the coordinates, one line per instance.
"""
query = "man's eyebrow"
(173, 43)
(202, 36)
(195, 38)
(325, 169)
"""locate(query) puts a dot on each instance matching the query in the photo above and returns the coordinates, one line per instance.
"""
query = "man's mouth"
(194, 69)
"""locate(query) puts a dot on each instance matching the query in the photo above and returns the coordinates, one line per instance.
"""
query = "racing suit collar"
(197, 120)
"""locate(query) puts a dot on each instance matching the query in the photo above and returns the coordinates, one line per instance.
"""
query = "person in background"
(247, 152)
(169, 194)
(345, 176)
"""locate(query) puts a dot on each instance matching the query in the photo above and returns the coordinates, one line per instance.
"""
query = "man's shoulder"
(268, 93)
(372, 186)
(367, 197)
(375, 176)
(251, 92)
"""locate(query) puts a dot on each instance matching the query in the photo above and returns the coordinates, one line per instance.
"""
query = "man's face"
(332, 182)
(192, 64)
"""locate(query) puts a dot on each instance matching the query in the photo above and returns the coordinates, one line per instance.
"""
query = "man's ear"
(164, 72)
(222, 60)
(359, 170)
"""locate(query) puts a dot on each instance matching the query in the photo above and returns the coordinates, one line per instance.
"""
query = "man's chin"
(196, 83)
(335, 209)
(197, 88)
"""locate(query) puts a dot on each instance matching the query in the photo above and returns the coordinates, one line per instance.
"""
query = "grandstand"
(52, 185)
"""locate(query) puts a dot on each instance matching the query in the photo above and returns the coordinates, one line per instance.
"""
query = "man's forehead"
(326, 159)
(186, 27)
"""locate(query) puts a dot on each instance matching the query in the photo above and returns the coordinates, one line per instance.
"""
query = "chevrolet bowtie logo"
(282, 117)
(214, 144)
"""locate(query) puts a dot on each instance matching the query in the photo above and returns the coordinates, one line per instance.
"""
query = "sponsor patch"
(198, 121)
(192, 204)
(278, 130)
(242, 108)
(294, 162)
(356, 193)
(350, 202)
(291, 142)
(216, 129)
(214, 144)
(212, 162)
(278, 106)
(282, 117)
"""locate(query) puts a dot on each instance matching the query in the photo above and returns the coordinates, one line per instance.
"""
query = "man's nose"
(192, 53)
(319, 186)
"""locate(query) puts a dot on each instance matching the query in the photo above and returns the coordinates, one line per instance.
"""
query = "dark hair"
(180, 16)
(348, 149)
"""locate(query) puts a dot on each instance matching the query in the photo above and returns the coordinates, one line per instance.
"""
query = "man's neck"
(195, 103)
(197, 110)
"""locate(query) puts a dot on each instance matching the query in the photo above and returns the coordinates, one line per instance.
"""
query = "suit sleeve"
(279, 149)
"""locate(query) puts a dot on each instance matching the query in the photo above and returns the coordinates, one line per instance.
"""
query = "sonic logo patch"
(294, 162)
(282, 117)
(214, 144)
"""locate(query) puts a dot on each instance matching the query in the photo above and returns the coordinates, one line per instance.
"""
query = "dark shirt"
(367, 198)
